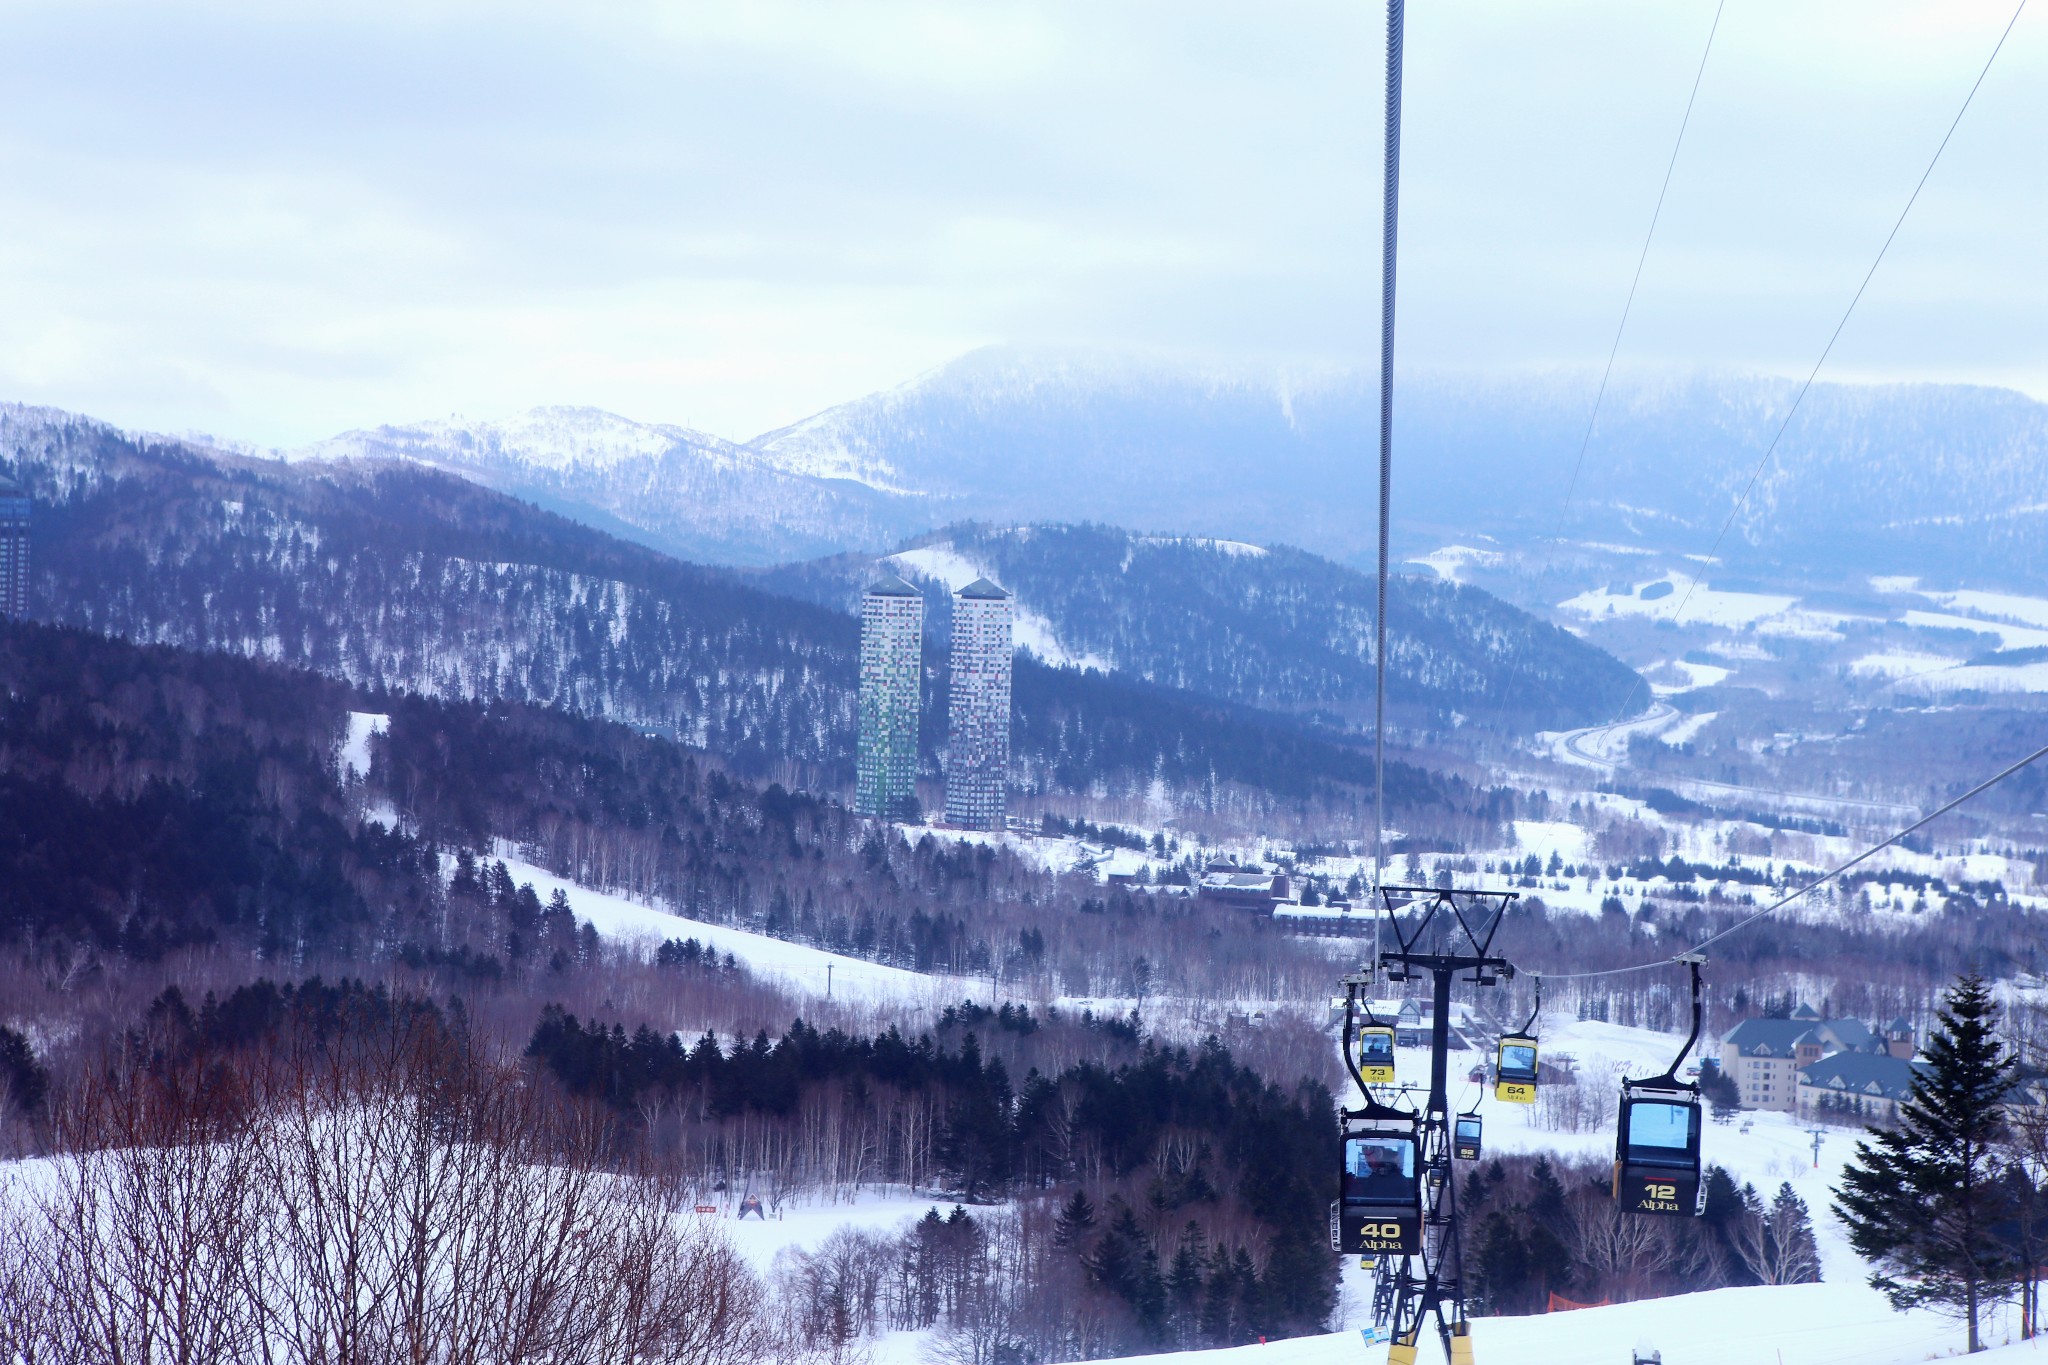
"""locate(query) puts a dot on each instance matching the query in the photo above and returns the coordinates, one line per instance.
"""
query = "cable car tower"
(1397, 1197)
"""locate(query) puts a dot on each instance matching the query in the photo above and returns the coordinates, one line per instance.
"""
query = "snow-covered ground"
(1030, 630)
(1838, 1321)
(1705, 605)
(811, 970)
(1811, 1324)
(1451, 561)
(355, 746)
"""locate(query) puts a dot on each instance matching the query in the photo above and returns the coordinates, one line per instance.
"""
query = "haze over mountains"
(1870, 479)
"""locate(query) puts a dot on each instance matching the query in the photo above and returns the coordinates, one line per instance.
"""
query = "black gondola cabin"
(1657, 1149)
(1465, 1135)
(1376, 1054)
(1514, 1070)
(1379, 1201)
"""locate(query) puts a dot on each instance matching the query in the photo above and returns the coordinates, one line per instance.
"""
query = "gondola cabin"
(1379, 1200)
(1465, 1134)
(1376, 1054)
(1657, 1148)
(1514, 1070)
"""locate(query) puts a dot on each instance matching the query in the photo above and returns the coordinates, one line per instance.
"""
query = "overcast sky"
(275, 222)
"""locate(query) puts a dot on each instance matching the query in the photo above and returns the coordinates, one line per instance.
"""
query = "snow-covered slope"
(673, 487)
(946, 564)
(812, 971)
(1808, 1324)
(1271, 627)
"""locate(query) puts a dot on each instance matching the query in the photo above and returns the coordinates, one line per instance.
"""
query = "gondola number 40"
(1391, 1231)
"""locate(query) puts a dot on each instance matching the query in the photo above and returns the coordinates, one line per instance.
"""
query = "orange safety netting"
(1561, 1304)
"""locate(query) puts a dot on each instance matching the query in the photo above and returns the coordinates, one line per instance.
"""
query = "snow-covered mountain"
(1275, 628)
(1884, 478)
(1877, 479)
(677, 489)
(391, 574)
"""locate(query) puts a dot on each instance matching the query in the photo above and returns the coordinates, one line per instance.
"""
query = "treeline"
(1212, 1182)
(1539, 1228)
(402, 578)
(1280, 629)
(1037, 1283)
(157, 800)
(371, 1191)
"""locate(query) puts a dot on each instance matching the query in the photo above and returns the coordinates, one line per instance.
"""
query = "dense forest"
(396, 576)
(1162, 1154)
(1275, 628)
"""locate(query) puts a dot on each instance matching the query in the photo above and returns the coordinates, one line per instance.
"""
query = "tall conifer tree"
(1921, 1199)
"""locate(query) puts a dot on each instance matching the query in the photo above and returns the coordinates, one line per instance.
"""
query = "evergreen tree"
(1184, 1286)
(1075, 1221)
(1922, 1198)
(1219, 1300)
(1502, 1276)
(1794, 1257)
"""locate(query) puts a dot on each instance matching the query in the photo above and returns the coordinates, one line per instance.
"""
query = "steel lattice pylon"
(1439, 933)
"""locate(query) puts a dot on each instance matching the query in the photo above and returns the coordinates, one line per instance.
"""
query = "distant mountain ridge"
(678, 490)
(392, 575)
(1275, 628)
(1869, 478)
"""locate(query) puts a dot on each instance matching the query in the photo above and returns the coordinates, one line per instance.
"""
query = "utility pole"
(1818, 1133)
(828, 981)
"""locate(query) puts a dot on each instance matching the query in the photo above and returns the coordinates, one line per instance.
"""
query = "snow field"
(1030, 630)
(355, 747)
(796, 965)
(1808, 1324)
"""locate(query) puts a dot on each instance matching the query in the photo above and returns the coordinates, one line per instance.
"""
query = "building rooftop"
(891, 585)
(1862, 1073)
(1779, 1037)
(983, 590)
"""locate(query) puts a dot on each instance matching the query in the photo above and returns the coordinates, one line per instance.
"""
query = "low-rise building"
(1240, 888)
(1855, 1087)
(1764, 1056)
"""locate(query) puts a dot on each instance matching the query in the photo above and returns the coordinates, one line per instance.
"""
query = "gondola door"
(1379, 1202)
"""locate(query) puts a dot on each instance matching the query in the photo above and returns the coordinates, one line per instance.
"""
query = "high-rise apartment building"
(891, 676)
(978, 728)
(14, 505)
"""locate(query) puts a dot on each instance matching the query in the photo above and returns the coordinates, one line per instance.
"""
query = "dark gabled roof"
(1782, 1035)
(1807, 1012)
(9, 488)
(982, 590)
(1898, 1027)
(1779, 1036)
(1852, 1034)
(891, 585)
(1862, 1073)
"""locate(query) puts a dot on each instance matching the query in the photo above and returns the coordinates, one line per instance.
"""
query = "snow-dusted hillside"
(1882, 478)
(1275, 628)
(672, 487)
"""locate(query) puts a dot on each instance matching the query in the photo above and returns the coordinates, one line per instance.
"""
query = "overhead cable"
(1816, 883)
(1642, 257)
(1836, 335)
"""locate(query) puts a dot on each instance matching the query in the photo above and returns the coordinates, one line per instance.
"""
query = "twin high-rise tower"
(978, 716)
(891, 676)
(14, 513)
